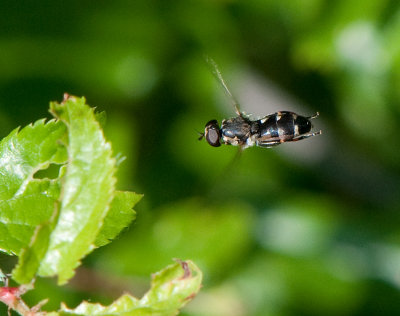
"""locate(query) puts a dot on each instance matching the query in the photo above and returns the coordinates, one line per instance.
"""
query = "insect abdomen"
(277, 125)
(285, 123)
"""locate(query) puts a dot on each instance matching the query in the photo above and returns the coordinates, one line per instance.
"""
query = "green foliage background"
(311, 228)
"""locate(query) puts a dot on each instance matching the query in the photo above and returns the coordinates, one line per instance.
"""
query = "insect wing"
(217, 73)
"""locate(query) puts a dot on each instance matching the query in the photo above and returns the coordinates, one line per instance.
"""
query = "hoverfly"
(271, 130)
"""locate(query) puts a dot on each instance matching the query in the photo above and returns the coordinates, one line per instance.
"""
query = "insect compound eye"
(212, 133)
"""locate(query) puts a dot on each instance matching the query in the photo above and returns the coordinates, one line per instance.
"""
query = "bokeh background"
(308, 228)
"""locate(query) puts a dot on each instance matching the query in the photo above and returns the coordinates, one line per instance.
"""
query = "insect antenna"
(217, 73)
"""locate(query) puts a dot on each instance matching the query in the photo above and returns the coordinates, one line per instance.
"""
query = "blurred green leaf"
(171, 289)
(269, 281)
(217, 237)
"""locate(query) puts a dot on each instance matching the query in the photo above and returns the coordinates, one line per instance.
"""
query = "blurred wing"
(217, 73)
(225, 176)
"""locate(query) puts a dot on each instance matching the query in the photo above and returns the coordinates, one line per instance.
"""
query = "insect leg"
(268, 144)
(306, 136)
(314, 116)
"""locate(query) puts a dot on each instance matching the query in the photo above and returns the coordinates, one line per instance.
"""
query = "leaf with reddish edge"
(171, 289)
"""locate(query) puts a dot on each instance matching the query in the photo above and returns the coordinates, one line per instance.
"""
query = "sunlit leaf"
(88, 189)
(31, 257)
(73, 213)
(26, 202)
(120, 216)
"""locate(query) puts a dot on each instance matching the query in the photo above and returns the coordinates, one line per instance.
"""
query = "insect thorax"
(236, 131)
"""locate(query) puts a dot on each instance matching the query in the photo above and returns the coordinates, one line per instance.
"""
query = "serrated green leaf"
(87, 190)
(171, 289)
(120, 215)
(26, 202)
(31, 257)
(53, 223)
(101, 117)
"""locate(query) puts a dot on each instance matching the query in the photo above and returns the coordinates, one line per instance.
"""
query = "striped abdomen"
(283, 126)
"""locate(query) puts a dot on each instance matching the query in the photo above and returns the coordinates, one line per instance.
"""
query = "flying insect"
(269, 131)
